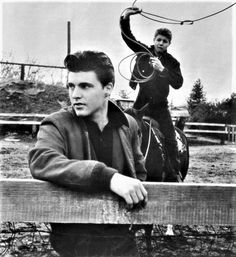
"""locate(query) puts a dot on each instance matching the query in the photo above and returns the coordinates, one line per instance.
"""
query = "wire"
(210, 15)
(165, 18)
(179, 22)
(134, 3)
(166, 22)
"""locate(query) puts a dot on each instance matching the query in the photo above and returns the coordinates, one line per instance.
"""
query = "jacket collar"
(116, 115)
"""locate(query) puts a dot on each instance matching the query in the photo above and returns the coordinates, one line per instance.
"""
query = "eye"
(85, 85)
(70, 85)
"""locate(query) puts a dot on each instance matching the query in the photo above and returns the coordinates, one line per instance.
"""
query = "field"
(210, 162)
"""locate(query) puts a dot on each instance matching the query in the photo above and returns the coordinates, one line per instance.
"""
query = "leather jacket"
(62, 153)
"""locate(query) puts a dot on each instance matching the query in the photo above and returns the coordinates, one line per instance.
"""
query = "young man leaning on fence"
(92, 146)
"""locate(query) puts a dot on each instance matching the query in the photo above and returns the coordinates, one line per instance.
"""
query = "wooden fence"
(229, 130)
(23, 65)
(23, 119)
(29, 200)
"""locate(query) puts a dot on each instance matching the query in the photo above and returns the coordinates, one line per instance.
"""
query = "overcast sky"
(38, 30)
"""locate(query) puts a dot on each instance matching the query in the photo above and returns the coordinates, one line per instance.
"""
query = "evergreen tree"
(197, 98)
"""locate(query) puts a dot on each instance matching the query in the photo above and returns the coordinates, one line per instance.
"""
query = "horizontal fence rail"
(29, 200)
(20, 122)
(224, 129)
(33, 65)
(23, 65)
(228, 130)
(24, 115)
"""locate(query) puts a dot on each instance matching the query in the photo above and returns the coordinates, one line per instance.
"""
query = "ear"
(108, 89)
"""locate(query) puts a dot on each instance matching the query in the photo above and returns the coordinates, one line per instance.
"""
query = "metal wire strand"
(180, 22)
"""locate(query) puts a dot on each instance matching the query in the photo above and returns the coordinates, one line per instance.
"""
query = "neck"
(157, 53)
(101, 116)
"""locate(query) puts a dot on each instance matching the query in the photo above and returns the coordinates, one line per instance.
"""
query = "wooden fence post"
(22, 72)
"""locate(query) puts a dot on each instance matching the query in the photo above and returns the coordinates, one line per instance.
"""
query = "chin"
(81, 113)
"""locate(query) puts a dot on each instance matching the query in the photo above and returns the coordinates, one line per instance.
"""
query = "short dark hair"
(95, 61)
(164, 32)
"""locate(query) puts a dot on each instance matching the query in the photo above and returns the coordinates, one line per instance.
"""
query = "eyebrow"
(80, 84)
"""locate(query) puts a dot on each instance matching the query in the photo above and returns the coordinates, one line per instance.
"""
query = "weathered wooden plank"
(173, 203)
(20, 122)
(188, 123)
(25, 115)
(205, 131)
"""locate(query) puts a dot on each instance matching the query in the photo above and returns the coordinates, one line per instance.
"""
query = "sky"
(206, 50)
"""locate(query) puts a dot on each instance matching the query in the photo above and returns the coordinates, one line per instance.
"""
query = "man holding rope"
(155, 70)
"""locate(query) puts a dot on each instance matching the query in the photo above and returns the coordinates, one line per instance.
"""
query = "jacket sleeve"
(48, 161)
(173, 73)
(129, 38)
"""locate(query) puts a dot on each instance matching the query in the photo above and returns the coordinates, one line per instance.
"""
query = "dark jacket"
(63, 155)
(156, 90)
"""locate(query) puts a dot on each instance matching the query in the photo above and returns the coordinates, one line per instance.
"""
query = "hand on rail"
(130, 189)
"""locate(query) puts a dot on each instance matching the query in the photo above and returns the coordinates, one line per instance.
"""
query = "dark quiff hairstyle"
(95, 61)
(164, 32)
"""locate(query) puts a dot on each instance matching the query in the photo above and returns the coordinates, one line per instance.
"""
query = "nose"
(77, 93)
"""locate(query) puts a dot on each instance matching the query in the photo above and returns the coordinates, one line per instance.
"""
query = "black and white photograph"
(118, 128)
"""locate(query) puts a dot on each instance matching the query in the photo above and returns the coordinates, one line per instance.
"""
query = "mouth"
(78, 105)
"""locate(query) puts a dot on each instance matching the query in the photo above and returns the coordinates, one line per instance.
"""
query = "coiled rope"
(143, 78)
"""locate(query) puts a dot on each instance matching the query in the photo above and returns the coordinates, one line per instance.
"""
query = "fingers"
(135, 10)
(154, 60)
(131, 11)
(145, 194)
(137, 196)
(156, 63)
(134, 195)
(130, 189)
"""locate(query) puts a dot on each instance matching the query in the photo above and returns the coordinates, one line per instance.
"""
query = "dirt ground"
(210, 162)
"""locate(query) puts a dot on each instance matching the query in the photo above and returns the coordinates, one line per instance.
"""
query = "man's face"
(86, 93)
(161, 43)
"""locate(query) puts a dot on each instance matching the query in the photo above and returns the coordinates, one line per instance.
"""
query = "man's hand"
(156, 63)
(131, 11)
(130, 189)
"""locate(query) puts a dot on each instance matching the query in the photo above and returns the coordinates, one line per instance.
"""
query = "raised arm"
(126, 33)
